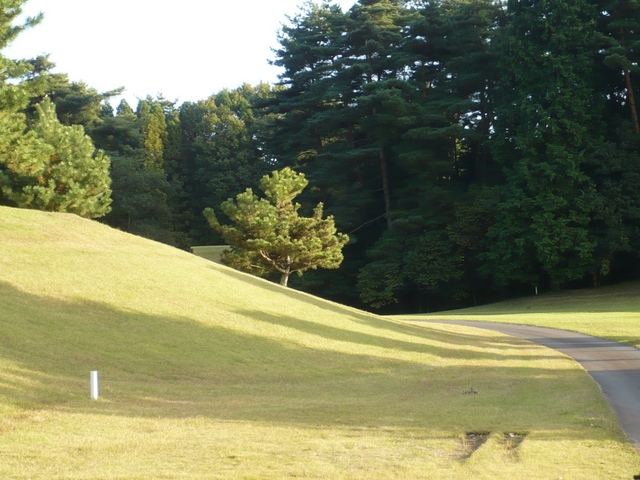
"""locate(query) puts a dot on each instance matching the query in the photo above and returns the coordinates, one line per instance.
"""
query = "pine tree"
(76, 103)
(144, 196)
(615, 167)
(545, 130)
(620, 36)
(441, 117)
(305, 102)
(15, 92)
(21, 152)
(269, 235)
(118, 134)
(140, 200)
(65, 175)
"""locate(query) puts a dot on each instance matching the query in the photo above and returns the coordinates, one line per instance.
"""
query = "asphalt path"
(613, 365)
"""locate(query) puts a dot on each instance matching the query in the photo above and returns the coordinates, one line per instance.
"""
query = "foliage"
(268, 233)
(64, 172)
(154, 130)
(15, 92)
(140, 199)
(382, 106)
(76, 103)
(544, 135)
(219, 155)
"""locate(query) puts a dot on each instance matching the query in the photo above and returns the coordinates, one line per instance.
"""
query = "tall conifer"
(544, 134)
(268, 234)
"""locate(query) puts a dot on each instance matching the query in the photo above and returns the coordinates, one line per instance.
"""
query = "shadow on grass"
(384, 324)
(159, 367)
(429, 335)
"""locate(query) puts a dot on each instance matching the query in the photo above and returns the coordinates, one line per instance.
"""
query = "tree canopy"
(269, 234)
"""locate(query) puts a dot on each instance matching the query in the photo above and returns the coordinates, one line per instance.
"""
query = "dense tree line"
(471, 149)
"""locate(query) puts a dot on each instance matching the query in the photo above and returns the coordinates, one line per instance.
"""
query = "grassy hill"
(210, 373)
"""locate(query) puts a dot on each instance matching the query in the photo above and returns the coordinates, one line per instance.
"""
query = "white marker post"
(94, 384)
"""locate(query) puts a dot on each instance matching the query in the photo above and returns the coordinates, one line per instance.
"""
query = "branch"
(266, 256)
(367, 223)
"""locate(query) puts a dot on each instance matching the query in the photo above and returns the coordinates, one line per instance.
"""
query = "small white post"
(94, 384)
(536, 290)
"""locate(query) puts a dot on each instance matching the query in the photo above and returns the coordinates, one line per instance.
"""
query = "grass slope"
(210, 373)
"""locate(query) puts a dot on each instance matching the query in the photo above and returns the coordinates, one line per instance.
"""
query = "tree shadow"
(429, 337)
(371, 320)
(175, 367)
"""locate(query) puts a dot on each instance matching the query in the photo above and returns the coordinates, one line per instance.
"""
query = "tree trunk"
(630, 95)
(632, 101)
(385, 187)
(286, 272)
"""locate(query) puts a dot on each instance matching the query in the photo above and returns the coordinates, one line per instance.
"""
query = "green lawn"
(611, 311)
(210, 373)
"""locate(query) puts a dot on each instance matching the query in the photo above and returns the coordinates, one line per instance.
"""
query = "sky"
(185, 50)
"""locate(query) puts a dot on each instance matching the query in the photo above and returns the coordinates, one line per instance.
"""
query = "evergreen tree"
(220, 155)
(309, 125)
(619, 27)
(140, 200)
(66, 175)
(389, 109)
(118, 134)
(373, 66)
(305, 103)
(336, 116)
(545, 131)
(443, 115)
(145, 192)
(20, 152)
(615, 167)
(268, 233)
(154, 130)
(15, 90)
(76, 103)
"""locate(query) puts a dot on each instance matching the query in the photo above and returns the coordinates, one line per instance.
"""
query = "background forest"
(471, 149)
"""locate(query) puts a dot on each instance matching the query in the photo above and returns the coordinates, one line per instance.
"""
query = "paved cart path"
(615, 366)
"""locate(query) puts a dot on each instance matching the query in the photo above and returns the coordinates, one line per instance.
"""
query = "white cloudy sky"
(185, 50)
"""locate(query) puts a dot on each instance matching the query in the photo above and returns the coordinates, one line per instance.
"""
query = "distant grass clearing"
(611, 312)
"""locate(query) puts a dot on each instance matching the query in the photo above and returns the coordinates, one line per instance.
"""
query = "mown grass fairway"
(210, 373)
(611, 312)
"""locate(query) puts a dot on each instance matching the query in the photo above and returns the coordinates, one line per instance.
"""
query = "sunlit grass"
(610, 311)
(210, 373)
